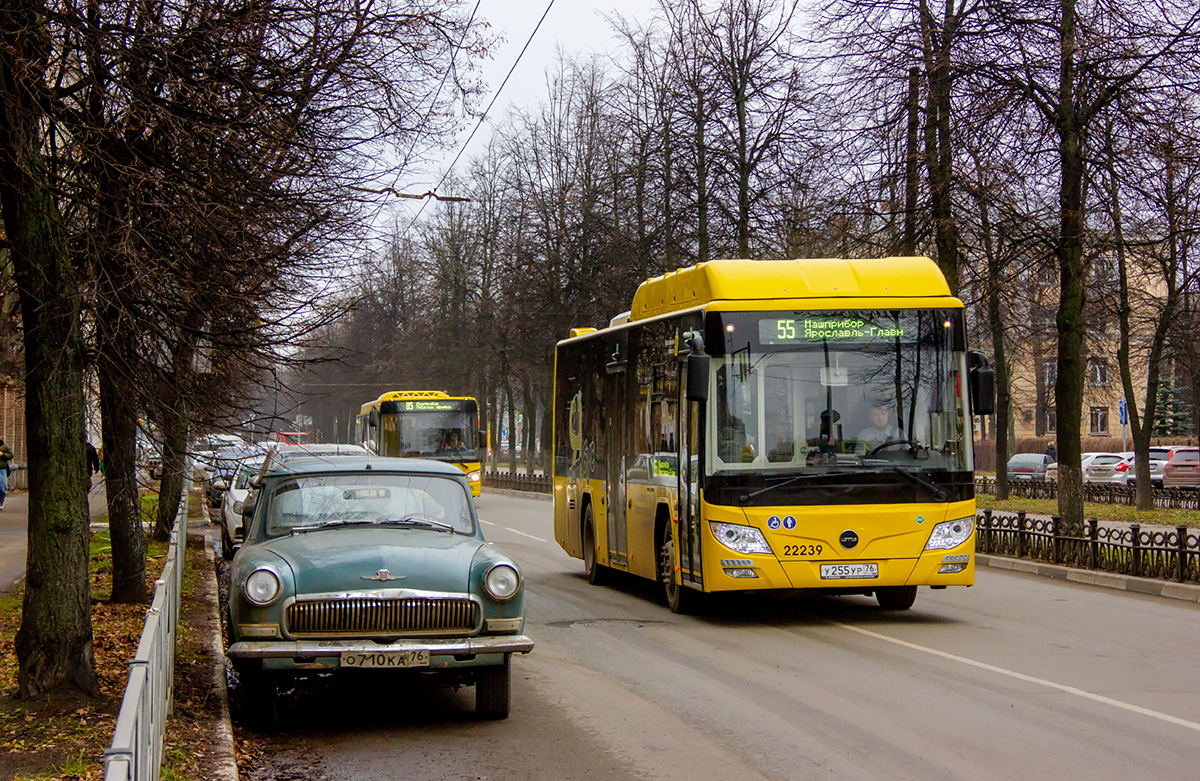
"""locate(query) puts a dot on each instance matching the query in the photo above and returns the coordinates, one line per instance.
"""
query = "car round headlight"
(261, 587)
(502, 582)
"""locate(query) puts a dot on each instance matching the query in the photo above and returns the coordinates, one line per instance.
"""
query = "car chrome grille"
(383, 617)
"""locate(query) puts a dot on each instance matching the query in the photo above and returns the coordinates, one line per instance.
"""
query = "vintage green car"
(371, 563)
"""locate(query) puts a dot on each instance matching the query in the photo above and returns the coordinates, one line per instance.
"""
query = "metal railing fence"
(1162, 552)
(541, 484)
(1103, 493)
(136, 752)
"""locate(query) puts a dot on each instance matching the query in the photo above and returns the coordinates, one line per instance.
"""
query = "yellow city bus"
(790, 424)
(425, 424)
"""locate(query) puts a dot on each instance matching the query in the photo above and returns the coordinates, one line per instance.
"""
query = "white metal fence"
(137, 748)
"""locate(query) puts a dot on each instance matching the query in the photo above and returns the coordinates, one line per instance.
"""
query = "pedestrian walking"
(93, 462)
(1051, 452)
(6, 455)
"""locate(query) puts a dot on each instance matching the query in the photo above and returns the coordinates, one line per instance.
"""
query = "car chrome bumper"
(288, 649)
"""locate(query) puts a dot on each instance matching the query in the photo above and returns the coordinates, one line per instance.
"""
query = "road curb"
(226, 768)
(1148, 586)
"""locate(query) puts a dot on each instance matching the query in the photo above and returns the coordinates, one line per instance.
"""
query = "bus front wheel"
(591, 568)
(679, 598)
(896, 597)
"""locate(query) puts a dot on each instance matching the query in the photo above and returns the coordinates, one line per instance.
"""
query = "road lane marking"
(1028, 678)
(489, 523)
(523, 534)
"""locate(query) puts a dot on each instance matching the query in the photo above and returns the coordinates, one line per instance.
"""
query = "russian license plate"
(845, 571)
(386, 659)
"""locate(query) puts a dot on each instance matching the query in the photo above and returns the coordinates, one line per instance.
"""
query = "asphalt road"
(1018, 677)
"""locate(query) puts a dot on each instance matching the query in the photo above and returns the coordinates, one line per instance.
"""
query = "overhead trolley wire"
(485, 114)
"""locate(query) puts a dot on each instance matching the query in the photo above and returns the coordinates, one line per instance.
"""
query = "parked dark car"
(376, 564)
(1028, 466)
(1183, 470)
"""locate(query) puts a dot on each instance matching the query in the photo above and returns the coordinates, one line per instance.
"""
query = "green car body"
(364, 582)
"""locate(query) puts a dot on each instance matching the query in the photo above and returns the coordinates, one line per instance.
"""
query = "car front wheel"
(493, 690)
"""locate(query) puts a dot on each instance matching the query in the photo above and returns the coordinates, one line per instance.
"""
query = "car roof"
(326, 464)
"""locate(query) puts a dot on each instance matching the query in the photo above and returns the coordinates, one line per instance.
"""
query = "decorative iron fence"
(1163, 552)
(1104, 493)
(541, 484)
(137, 748)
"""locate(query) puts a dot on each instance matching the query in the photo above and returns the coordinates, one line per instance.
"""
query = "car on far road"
(1183, 470)
(1127, 471)
(375, 566)
(1102, 468)
(1052, 470)
(1028, 466)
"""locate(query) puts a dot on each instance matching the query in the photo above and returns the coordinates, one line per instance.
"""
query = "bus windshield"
(444, 435)
(841, 406)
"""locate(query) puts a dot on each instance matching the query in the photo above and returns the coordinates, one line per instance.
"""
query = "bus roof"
(410, 395)
(739, 280)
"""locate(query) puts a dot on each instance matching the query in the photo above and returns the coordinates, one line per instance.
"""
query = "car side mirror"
(248, 506)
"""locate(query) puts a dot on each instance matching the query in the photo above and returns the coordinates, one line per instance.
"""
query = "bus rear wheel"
(594, 571)
(896, 597)
(679, 598)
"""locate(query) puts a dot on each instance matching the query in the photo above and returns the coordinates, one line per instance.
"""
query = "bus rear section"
(760, 442)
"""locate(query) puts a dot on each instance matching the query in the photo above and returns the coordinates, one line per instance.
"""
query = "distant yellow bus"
(801, 424)
(425, 424)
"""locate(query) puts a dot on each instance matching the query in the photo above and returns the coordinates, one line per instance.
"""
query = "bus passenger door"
(691, 441)
(615, 411)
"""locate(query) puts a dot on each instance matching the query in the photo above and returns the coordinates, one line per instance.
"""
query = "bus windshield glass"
(447, 435)
(837, 406)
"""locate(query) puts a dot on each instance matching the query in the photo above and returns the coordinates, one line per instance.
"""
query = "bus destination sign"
(793, 330)
(432, 406)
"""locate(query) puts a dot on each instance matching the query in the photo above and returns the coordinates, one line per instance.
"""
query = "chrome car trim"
(284, 649)
(383, 613)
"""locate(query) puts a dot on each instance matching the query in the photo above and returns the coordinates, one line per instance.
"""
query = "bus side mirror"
(697, 377)
(373, 419)
(981, 384)
(483, 440)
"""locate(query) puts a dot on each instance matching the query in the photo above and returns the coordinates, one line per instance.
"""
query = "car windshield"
(1186, 457)
(247, 472)
(361, 498)
(1025, 459)
(1106, 460)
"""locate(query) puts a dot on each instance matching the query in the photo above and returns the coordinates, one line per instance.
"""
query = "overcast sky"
(578, 26)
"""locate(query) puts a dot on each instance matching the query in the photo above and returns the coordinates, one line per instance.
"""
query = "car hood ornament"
(383, 575)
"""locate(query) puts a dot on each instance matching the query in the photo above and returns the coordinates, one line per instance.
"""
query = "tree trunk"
(912, 159)
(173, 423)
(119, 434)
(1068, 389)
(996, 323)
(54, 642)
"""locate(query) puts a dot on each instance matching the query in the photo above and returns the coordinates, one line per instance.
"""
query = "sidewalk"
(14, 530)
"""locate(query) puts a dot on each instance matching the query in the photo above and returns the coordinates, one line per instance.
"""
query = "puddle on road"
(574, 622)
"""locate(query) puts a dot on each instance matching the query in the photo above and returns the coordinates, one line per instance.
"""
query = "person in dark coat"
(1052, 452)
(93, 462)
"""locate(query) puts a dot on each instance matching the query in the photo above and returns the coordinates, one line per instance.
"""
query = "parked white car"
(240, 486)
(1103, 469)
(1052, 470)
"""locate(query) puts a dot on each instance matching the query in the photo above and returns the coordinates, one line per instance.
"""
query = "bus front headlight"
(743, 539)
(473, 477)
(951, 534)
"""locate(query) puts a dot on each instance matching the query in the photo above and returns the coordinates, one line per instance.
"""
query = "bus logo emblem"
(848, 539)
(773, 522)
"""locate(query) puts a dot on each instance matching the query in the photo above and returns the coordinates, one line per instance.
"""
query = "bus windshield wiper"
(921, 481)
(791, 480)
